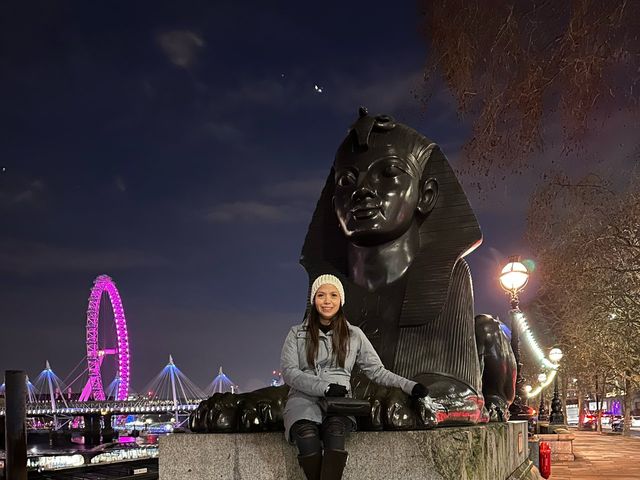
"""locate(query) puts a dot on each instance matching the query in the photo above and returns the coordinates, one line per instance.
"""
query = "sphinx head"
(380, 186)
(387, 177)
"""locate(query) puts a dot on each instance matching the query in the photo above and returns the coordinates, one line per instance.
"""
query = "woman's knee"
(334, 432)
(307, 437)
(335, 425)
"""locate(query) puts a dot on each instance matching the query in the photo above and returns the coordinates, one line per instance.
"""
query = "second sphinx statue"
(394, 224)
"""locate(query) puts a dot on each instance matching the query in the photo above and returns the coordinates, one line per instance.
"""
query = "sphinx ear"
(428, 196)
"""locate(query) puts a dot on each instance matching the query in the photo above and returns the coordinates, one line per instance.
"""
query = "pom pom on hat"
(327, 279)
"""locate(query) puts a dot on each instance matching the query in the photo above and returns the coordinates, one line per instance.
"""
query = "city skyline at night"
(181, 151)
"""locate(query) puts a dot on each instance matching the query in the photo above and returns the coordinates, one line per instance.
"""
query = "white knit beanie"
(324, 280)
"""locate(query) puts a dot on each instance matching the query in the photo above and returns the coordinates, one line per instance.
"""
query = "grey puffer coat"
(309, 384)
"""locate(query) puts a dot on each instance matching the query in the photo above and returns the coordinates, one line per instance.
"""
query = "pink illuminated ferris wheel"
(103, 288)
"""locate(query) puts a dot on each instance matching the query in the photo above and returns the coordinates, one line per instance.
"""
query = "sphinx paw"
(259, 415)
(217, 414)
(400, 415)
(197, 419)
(426, 410)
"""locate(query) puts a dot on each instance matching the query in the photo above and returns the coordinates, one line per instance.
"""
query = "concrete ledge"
(486, 452)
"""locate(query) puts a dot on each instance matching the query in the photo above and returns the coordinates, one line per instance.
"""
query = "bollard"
(91, 432)
(545, 459)
(15, 424)
(108, 433)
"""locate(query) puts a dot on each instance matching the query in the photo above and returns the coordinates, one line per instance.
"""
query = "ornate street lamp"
(555, 355)
(543, 414)
(513, 279)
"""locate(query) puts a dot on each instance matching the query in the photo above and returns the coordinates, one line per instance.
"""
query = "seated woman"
(317, 359)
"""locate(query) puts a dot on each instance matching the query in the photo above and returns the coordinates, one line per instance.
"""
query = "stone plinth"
(534, 451)
(487, 452)
(561, 446)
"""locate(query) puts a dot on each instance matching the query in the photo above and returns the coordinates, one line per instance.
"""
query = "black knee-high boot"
(311, 465)
(333, 464)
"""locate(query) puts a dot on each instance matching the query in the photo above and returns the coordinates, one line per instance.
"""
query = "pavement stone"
(600, 456)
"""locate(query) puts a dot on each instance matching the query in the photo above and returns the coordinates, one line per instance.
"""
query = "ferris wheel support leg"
(86, 391)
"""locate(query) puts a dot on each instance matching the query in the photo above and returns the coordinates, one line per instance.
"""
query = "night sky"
(180, 148)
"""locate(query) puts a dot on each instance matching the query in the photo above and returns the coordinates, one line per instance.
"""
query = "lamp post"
(513, 278)
(555, 355)
(543, 415)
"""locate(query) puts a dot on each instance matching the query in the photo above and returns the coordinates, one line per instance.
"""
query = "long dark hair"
(339, 341)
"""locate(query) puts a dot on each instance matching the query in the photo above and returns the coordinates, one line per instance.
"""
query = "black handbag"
(345, 406)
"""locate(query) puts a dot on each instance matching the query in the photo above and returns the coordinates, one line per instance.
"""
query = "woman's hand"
(335, 390)
(419, 391)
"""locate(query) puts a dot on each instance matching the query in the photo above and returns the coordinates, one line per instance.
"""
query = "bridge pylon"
(174, 386)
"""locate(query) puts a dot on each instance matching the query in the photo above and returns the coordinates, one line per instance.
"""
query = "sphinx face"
(376, 196)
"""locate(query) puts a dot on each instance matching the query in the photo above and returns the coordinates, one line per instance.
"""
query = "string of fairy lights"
(545, 378)
(513, 278)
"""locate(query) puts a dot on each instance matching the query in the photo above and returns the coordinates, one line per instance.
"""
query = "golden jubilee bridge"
(170, 392)
(101, 379)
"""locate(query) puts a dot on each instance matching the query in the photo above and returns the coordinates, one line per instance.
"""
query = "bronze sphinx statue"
(394, 224)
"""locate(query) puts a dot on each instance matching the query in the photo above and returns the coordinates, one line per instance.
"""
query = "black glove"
(419, 391)
(335, 390)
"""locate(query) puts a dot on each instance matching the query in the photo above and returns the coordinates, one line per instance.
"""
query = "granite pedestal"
(486, 452)
(561, 446)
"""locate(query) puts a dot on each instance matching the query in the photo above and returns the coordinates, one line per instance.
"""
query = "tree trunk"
(580, 408)
(598, 407)
(565, 387)
(628, 395)
(603, 391)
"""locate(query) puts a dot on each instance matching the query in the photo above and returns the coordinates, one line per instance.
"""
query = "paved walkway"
(600, 456)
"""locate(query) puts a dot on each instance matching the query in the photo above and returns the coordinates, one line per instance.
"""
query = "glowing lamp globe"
(528, 388)
(542, 377)
(555, 355)
(514, 275)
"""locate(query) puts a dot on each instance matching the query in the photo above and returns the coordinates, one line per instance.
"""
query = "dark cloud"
(306, 189)
(181, 47)
(119, 183)
(382, 91)
(28, 258)
(22, 192)
(252, 211)
(222, 131)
